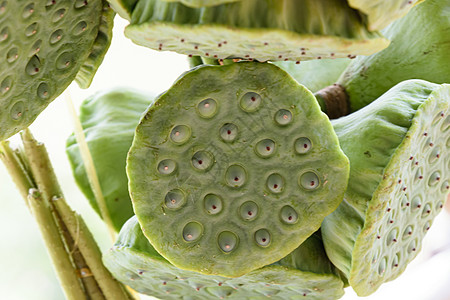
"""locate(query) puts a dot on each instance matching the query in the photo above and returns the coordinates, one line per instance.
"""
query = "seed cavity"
(43, 90)
(426, 227)
(213, 204)
(283, 117)
(262, 237)
(434, 179)
(275, 183)
(445, 126)
(248, 211)
(396, 260)
(192, 231)
(416, 203)
(12, 55)
(392, 237)
(175, 199)
(6, 84)
(207, 108)
(17, 110)
(58, 15)
(309, 181)
(33, 66)
(202, 160)
(227, 241)
(167, 167)
(31, 29)
(250, 102)
(180, 134)
(407, 232)
(382, 266)
(434, 155)
(445, 187)
(56, 36)
(28, 11)
(4, 34)
(302, 145)
(235, 176)
(80, 3)
(412, 247)
(64, 60)
(228, 132)
(288, 215)
(426, 210)
(265, 148)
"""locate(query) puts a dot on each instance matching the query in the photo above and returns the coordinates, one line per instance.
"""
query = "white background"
(25, 270)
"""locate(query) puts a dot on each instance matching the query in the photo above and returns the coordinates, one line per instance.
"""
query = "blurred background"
(25, 269)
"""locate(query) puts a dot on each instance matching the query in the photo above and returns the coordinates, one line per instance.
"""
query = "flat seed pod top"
(399, 179)
(233, 167)
(255, 29)
(133, 261)
(43, 44)
(381, 13)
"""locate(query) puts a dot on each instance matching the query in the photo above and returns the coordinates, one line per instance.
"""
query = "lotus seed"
(309, 181)
(262, 237)
(382, 266)
(250, 102)
(180, 134)
(167, 166)
(235, 176)
(303, 145)
(175, 199)
(227, 241)
(426, 211)
(228, 132)
(192, 231)
(213, 204)
(6, 85)
(4, 34)
(207, 108)
(59, 15)
(56, 36)
(17, 110)
(434, 179)
(275, 183)
(31, 29)
(42, 91)
(265, 148)
(283, 117)
(288, 215)
(12, 55)
(426, 227)
(408, 232)
(248, 210)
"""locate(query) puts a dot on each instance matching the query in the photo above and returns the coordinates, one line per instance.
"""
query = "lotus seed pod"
(43, 44)
(420, 43)
(398, 148)
(381, 13)
(255, 30)
(134, 262)
(202, 3)
(234, 146)
(108, 119)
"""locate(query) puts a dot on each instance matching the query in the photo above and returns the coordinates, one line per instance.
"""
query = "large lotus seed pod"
(419, 49)
(108, 119)
(381, 13)
(255, 29)
(316, 74)
(134, 262)
(43, 44)
(239, 163)
(202, 3)
(398, 148)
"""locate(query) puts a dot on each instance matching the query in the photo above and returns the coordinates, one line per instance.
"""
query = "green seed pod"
(255, 29)
(134, 262)
(109, 120)
(381, 13)
(43, 45)
(202, 3)
(399, 179)
(419, 49)
(241, 146)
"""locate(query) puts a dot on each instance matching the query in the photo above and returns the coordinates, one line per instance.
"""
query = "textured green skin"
(420, 43)
(98, 51)
(177, 106)
(384, 182)
(134, 262)
(22, 99)
(109, 120)
(255, 29)
(316, 74)
(123, 7)
(202, 3)
(381, 13)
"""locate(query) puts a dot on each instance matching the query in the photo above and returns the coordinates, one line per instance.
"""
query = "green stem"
(66, 272)
(111, 288)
